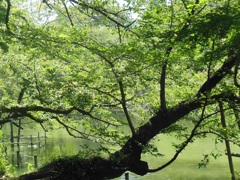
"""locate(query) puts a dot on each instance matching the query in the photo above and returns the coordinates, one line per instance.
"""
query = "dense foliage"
(121, 73)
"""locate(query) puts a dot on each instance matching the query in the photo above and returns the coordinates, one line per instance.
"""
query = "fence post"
(19, 134)
(126, 175)
(45, 136)
(39, 142)
(18, 158)
(31, 140)
(12, 137)
(12, 158)
(35, 161)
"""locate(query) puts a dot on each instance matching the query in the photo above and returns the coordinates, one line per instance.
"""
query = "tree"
(174, 62)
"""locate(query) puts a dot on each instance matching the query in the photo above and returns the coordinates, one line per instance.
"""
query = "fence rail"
(32, 140)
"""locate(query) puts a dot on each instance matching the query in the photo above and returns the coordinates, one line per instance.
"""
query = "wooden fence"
(30, 141)
(33, 140)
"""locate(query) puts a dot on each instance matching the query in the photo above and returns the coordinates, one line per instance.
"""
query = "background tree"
(85, 60)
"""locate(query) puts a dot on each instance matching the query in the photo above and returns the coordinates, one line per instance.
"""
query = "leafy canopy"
(102, 70)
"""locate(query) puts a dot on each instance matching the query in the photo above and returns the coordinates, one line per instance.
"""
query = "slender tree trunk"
(228, 148)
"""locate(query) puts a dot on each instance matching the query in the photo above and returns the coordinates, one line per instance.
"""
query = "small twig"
(119, 34)
(68, 128)
(104, 13)
(68, 15)
(49, 5)
(44, 128)
(205, 5)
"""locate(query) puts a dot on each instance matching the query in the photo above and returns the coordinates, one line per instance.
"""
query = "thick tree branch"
(185, 143)
(22, 111)
(185, 107)
(194, 131)
(14, 115)
(4, 121)
(164, 119)
(219, 74)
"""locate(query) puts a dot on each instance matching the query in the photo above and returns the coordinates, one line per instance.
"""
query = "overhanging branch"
(21, 111)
